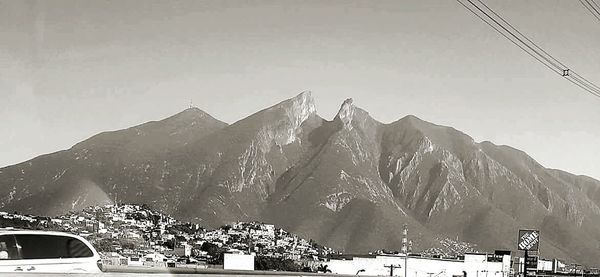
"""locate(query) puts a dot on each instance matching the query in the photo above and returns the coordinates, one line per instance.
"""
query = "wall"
(238, 262)
(474, 265)
(543, 265)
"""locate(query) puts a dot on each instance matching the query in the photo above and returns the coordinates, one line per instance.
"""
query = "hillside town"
(137, 235)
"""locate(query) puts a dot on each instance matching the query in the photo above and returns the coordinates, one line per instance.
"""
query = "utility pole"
(405, 248)
(391, 267)
(525, 263)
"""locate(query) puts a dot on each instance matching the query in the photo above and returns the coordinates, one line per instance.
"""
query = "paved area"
(156, 274)
(167, 272)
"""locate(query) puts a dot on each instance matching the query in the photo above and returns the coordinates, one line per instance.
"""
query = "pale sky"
(71, 69)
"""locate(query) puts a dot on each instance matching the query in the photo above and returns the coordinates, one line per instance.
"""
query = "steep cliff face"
(350, 183)
(245, 159)
(337, 187)
(482, 192)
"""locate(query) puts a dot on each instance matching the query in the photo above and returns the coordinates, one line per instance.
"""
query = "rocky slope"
(349, 183)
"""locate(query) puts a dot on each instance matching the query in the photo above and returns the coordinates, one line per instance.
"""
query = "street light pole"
(406, 265)
(405, 248)
(525, 263)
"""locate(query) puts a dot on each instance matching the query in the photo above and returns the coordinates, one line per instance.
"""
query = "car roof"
(6, 231)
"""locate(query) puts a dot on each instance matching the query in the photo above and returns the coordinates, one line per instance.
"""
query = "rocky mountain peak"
(192, 117)
(346, 113)
(187, 114)
(301, 107)
(286, 122)
(351, 178)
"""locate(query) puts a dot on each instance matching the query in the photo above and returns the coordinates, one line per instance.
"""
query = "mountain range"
(350, 183)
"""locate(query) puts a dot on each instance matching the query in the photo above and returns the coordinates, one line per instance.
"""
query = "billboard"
(529, 240)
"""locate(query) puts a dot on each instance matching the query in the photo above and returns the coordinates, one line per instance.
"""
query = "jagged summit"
(346, 113)
(307, 99)
(301, 107)
(280, 123)
(301, 102)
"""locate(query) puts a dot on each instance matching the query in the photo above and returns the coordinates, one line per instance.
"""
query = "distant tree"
(127, 244)
(234, 238)
(218, 258)
(211, 248)
(155, 219)
(323, 268)
(169, 244)
(279, 264)
(184, 228)
(226, 227)
(214, 251)
(104, 245)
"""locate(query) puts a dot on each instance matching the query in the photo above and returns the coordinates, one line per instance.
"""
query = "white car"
(28, 251)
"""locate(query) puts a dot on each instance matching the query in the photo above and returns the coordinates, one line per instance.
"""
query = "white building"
(233, 261)
(474, 265)
(155, 257)
(543, 265)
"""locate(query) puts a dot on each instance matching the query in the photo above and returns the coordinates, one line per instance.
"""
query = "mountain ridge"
(355, 179)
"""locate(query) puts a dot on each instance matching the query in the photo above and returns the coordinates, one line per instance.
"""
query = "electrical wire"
(511, 39)
(522, 35)
(595, 11)
(503, 27)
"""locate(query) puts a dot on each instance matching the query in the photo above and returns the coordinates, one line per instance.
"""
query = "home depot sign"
(529, 240)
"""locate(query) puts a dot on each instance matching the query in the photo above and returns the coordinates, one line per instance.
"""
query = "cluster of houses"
(135, 235)
(264, 240)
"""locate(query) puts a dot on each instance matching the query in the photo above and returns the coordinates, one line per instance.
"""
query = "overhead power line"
(591, 6)
(503, 27)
